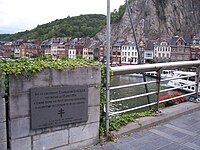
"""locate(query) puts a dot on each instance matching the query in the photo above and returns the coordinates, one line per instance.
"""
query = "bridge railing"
(143, 68)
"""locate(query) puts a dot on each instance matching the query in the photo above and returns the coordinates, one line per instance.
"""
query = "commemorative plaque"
(54, 106)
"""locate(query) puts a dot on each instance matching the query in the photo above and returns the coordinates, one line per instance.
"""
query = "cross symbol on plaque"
(61, 112)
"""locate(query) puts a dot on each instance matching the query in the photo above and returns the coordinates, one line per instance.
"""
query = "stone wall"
(65, 137)
(3, 132)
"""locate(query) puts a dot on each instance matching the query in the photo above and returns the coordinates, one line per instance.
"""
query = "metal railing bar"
(153, 67)
(151, 104)
(131, 109)
(132, 97)
(168, 79)
(130, 85)
(150, 93)
(169, 99)
(170, 89)
(149, 82)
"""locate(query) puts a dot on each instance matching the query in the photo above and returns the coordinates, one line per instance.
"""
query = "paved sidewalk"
(182, 133)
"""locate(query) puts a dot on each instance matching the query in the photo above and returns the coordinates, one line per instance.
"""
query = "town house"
(180, 49)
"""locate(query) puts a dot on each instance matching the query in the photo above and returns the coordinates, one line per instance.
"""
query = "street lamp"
(107, 67)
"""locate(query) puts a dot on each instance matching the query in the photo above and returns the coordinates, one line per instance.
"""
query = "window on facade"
(128, 53)
(180, 58)
(167, 55)
(118, 53)
(187, 50)
(187, 57)
(193, 50)
(148, 55)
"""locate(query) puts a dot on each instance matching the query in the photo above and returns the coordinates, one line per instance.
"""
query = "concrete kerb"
(167, 114)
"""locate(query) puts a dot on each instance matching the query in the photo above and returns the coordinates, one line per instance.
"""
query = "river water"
(126, 92)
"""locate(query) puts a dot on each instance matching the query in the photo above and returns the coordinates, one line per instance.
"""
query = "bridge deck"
(181, 133)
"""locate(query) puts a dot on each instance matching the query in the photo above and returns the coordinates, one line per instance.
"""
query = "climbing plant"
(27, 67)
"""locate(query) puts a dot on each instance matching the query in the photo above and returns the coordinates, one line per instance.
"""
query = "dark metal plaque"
(54, 106)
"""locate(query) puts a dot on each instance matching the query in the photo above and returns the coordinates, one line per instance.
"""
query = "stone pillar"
(3, 131)
(72, 136)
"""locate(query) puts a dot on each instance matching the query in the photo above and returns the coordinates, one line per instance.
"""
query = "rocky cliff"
(154, 18)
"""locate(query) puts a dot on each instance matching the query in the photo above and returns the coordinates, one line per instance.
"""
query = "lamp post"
(107, 67)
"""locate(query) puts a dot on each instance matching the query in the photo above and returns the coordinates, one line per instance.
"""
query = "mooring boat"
(164, 74)
(186, 84)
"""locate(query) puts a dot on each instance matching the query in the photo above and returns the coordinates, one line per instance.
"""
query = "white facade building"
(129, 54)
(162, 51)
(72, 53)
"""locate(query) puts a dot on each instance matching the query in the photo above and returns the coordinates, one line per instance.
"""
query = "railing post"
(108, 67)
(197, 78)
(158, 88)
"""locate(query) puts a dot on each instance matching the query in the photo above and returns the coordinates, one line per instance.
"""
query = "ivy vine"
(26, 66)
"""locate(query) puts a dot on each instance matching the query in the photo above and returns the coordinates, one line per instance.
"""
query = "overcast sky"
(21, 15)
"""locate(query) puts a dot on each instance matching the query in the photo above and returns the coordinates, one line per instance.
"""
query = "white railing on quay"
(153, 67)
(158, 67)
